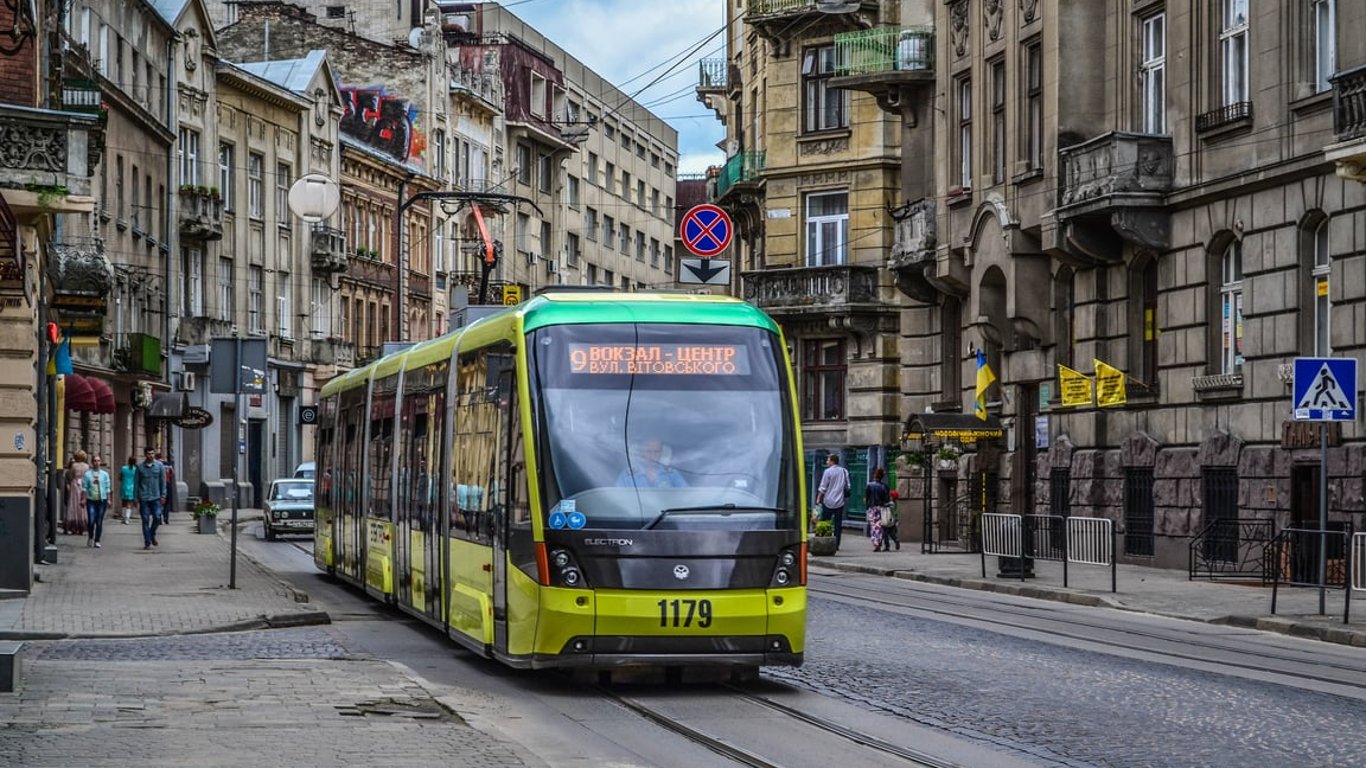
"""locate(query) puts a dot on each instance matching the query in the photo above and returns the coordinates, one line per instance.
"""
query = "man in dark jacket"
(149, 488)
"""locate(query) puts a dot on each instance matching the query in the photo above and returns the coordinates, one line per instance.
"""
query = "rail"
(884, 49)
(1358, 558)
(1349, 103)
(1314, 557)
(741, 167)
(1069, 540)
(1232, 548)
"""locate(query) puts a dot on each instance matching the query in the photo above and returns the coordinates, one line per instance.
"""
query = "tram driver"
(650, 471)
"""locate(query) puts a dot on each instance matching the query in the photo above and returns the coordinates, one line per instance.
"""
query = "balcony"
(743, 170)
(419, 284)
(201, 213)
(793, 291)
(1349, 124)
(332, 351)
(201, 330)
(913, 248)
(891, 63)
(1114, 187)
(1226, 118)
(328, 249)
(81, 276)
(140, 354)
(47, 157)
(782, 21)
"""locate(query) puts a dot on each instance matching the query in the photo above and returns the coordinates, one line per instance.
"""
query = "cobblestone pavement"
(181, 586)
(287, 697)
(1068, 707)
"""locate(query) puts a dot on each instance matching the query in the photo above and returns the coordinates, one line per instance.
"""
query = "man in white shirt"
(833, 493)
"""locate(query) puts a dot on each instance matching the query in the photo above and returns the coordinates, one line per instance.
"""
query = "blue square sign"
(1325, 389)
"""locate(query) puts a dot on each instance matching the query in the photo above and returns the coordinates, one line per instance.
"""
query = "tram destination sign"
(659, 359)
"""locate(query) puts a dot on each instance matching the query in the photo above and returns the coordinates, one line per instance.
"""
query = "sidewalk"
(145, 659)
(1160, 591)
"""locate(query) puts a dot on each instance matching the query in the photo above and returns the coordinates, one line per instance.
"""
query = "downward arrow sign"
(705, 271)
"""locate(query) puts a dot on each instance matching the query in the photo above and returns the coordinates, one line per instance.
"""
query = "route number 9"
(680, 613)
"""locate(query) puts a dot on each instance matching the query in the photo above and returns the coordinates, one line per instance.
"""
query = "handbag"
(886, 517)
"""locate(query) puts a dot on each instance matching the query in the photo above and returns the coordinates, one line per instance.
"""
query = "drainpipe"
(172, 237)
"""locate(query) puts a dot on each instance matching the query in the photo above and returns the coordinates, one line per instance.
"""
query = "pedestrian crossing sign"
(1325, 389)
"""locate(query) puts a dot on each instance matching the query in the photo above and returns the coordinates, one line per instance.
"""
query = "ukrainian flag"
(984, 379)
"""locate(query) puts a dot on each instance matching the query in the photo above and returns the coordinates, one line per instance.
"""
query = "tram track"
(1000, 613)
(867, 743)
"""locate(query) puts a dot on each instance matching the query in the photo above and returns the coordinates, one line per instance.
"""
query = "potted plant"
(205, 514)
(947, 457)
(822, 540)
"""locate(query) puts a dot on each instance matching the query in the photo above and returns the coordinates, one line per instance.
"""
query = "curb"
(295, 594)
(1336, 635)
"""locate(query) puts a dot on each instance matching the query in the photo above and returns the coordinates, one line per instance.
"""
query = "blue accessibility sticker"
(569, 506)
(577, 520)
(558, 520)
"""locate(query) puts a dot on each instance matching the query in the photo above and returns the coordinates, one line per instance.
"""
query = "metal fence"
(1069, 540)
(1232, 548)
(1358, 560)
(1312, 557)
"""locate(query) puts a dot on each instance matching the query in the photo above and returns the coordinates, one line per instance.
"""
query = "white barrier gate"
(1001, 535)
(1358, 556)
(1090, 540)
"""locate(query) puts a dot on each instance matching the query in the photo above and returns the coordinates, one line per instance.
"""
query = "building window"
(626, 186)
(1152, 74)
(537, 95)
(640, 246)
(189, 157)
(823, 370)
(1033, 116)
(547, 245)
(134, 214)
(545, 172)
(1221, 513)
(1325, 43)
(256, 300)
(1064, 317)
(951, 341)
(284, 306)
(593, 169)
(668, 259)
(654, 253)
(572, 190)
(255, 186)
(827, 228)
(1322, 265)
(282, 216)
(825, 108)
(610, 178)
(227, 295)
(998, 121)
(624, 243)
(572, 247)
(609, 230)
(1231, 309)
(321, 306)
(225, 174)
(592, 274)
(118, 188)
(640, 194)
(439, 152)
(1233, 47)
(523, 169)
(1139, 512)
(963, 148)
(590, 224)
(194, 281)
(1147, 325)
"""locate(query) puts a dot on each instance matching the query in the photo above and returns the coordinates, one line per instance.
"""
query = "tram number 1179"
(681, 613)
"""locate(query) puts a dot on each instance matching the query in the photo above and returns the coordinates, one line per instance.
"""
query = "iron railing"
(1305, 557)
(741, 167)
(884, 49)
(771, 7)
(713, 75)
(1229, 113)
(1139, 512)
(1349, 103)
(1231, 549)
(1221, 508)
(954, 526)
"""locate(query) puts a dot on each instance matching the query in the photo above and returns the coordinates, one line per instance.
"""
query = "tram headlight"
(789, 570)
(787, 559)
(570, 577)
(560, 558)
(781, 578)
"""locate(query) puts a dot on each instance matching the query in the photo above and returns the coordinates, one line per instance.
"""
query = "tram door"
(507, 407)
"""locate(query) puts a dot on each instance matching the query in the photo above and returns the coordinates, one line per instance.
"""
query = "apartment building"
(1171, 189)
(811, 175)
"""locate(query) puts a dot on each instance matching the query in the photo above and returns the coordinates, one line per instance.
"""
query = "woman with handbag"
(875, 500)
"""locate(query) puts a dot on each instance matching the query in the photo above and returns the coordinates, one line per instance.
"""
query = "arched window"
(1231, 308)
(1320, 266)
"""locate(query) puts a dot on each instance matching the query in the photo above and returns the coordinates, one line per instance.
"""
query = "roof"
(290, 74)
(169, 10)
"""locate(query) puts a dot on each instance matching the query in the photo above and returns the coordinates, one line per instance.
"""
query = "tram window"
(478, 441)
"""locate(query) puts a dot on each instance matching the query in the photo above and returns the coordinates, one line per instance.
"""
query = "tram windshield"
(664, 427)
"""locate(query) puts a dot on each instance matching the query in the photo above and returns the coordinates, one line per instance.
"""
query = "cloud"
(624, 40)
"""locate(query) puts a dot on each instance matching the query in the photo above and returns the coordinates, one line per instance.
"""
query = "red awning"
(80, 396)
(104, 395)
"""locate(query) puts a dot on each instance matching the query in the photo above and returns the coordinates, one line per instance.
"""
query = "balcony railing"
(202, 330)
(741, 167)
(42, 150)
(420, 284)
(1225, 115)
(812, 288)
(1115, 163)
(332, 351)
(201, 213)
(1349, 104)
(884, 49)
(773, 7)
(713, 75)
(328, 249)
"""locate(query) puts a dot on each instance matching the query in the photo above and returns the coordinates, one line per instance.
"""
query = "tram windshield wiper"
(717, 509)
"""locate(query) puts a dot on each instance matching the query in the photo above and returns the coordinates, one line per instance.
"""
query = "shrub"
(825, 528)
(205, 509)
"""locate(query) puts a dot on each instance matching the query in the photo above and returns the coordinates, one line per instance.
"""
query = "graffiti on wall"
(382, 121)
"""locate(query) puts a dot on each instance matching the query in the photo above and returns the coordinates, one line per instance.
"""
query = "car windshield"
(664, 427)
(291, 491)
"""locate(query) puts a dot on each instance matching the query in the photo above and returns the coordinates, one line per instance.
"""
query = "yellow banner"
(1074, 387)
(1110, 388)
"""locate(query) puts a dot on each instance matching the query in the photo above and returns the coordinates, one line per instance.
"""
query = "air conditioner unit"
(530, 259)
(551, 267)
(185, 381)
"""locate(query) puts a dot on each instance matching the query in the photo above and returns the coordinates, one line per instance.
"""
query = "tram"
(622, 484)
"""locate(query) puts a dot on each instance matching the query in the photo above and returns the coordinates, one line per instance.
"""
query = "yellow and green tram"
(622, 484)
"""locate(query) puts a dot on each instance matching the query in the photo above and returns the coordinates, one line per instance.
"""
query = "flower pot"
(820, 546)
(207, 524)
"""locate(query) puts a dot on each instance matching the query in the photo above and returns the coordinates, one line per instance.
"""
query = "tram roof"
(567, 308)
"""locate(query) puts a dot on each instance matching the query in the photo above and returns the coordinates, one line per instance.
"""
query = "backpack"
(886, 516)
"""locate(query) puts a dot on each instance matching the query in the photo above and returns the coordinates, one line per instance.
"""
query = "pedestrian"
(169, 503)
(74, 515)
(833, 493)
(127, 477)
(875, 499)
(97, 488)
(150, 491)
(891, 521)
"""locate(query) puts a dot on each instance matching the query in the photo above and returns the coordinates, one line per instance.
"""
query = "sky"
(621, 39)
